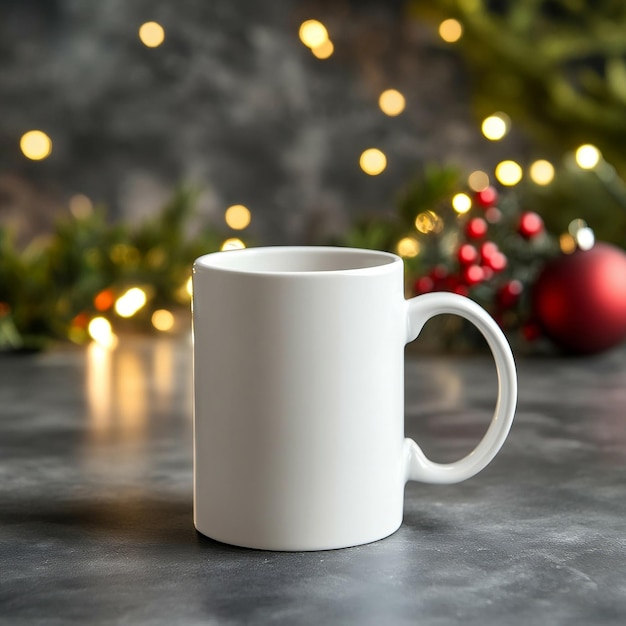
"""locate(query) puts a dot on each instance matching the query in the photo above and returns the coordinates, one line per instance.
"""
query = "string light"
(237, 216)
(424, 223)
(80, 206)
(162, 320)
(104, 300)
(233, 244)
(461, 203)
(496, 126)
(313, 33)
(100, 331)
(324, 50)
(408, 247)
(373, 161)
(587, 156)
(450, 30)
(478, 180)
(567, 243)
(36, 145)
(130, 302)
(583, 236)
(391, 102)
(151, 34)
(541, 172)
(508, 173)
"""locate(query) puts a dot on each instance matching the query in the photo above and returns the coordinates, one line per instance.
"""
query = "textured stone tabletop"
(95, 503)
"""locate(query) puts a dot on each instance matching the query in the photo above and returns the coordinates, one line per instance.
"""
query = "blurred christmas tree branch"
(55, 287)
(558, 67)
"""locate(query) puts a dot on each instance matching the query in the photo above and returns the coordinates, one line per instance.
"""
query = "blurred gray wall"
(232, 102)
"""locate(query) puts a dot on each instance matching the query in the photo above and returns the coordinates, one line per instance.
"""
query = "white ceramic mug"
(299, 396)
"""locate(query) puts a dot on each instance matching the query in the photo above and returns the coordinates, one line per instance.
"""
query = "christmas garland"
(90, 277)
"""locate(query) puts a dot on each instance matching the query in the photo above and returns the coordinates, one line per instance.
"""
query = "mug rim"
(232, 261)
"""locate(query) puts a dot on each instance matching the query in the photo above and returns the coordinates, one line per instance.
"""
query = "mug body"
(298, 396)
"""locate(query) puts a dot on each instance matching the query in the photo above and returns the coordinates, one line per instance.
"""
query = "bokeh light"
(151, 34)
(567, 243)
(101, 332)
(163, 320)
(324, 50)
(313, 33)
(461, 203)
(450, 30)
(408, 247)
(36, 145)
(81, 206)
(508, 173)
(233, 244)
(130, 302)
(496, 126)
(189, 286)
(541, 172)
(478, 180)
(373, 161)
(587, 156)
(237, 216)
(391, 102)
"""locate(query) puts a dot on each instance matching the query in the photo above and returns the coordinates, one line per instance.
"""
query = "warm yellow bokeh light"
(450, 30)
(495, 126)
(237, 216)
(130, 302)
(587, 156)
(36, 145)
(163, 320)
(313, 33)
(233, 244)
(408, 247)
(391, 102)
(478, 180)
(567, 243)
(151, 34)
(101, 332)
(461, 203)
(541, 172)
(424, 223)
(80, 206)
(324, 50)
(373, 161)
(508, 173)
(189, 286)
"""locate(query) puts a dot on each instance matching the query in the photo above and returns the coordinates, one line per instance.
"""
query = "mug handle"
(418, 467)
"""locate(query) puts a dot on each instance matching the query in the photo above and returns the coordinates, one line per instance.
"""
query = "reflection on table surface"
(96, 502)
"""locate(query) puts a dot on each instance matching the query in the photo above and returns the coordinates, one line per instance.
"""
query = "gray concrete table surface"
(96, 503)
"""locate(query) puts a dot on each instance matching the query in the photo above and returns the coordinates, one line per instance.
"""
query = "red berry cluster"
(480, 259)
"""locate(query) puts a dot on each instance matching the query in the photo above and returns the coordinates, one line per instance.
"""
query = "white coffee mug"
(299, 396)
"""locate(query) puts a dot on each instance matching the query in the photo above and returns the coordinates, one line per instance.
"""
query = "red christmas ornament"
(438, 273)
(476, 228)
(497, 262)
(467, 254)
(487, 250)
(424, 284)
(509, 293)
(530, 225)
(487, 273)
(473, 274)
(487, 197)
(579, 300)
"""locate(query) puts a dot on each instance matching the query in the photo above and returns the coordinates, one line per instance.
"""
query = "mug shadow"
(147, 519)
(137, 519)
